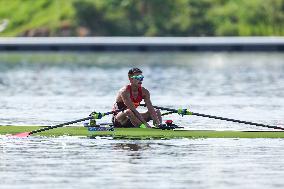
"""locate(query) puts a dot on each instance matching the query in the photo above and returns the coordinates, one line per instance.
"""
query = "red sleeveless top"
(136, 101)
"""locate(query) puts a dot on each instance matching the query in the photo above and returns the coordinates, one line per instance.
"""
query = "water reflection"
(131, 147)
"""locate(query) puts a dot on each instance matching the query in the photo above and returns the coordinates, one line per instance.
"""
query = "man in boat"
(129, 98)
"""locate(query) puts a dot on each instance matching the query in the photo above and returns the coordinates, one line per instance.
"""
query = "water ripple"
(202, 163)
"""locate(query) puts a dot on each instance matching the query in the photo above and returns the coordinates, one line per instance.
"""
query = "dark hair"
(134, 71)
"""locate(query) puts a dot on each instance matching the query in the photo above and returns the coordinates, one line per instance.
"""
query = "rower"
(129, 98)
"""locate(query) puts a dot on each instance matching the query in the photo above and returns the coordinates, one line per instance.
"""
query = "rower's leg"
(123, 117)
(148, 117)
(132, 117)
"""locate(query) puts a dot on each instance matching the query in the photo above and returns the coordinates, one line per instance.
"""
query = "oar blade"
(21, 135)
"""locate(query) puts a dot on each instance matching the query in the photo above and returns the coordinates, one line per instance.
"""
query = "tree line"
(165, 18)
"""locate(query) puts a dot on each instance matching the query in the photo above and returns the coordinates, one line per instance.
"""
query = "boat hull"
(139, 133)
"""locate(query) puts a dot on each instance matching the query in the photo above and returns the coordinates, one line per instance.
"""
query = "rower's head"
(135, 76)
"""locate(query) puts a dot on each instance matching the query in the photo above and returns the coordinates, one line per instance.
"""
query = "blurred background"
(141, 18)
(49, 85)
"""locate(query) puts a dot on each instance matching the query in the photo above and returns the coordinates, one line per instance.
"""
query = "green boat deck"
(138, 133)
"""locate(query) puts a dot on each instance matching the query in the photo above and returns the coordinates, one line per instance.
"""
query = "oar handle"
(220, 118)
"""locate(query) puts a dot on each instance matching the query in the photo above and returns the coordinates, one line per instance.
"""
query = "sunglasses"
(138, 77)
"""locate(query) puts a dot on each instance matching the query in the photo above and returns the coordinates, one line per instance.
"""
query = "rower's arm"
(127, 101)
(150, 107)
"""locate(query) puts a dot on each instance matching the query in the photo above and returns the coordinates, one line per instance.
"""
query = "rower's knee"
(129, 113)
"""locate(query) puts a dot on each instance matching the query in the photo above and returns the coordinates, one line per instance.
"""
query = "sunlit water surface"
(51, 88)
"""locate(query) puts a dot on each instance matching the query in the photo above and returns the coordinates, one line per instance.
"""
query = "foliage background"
(141, 17)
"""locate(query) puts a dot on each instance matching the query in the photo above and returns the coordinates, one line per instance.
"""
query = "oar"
(167, 113)
(94, 115)
(187, 112)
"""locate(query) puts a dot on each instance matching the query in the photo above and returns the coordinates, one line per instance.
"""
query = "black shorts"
(116, 123)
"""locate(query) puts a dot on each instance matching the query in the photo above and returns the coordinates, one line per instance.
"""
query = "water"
(102, 163)
(51, 88)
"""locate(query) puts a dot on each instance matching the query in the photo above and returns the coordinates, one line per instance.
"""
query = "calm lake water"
(51, 88)
(181, 163)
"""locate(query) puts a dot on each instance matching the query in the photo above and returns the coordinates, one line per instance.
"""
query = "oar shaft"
(221, 118)
(167, 113)
(70, 122)
(60, 125)
(237, 121)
